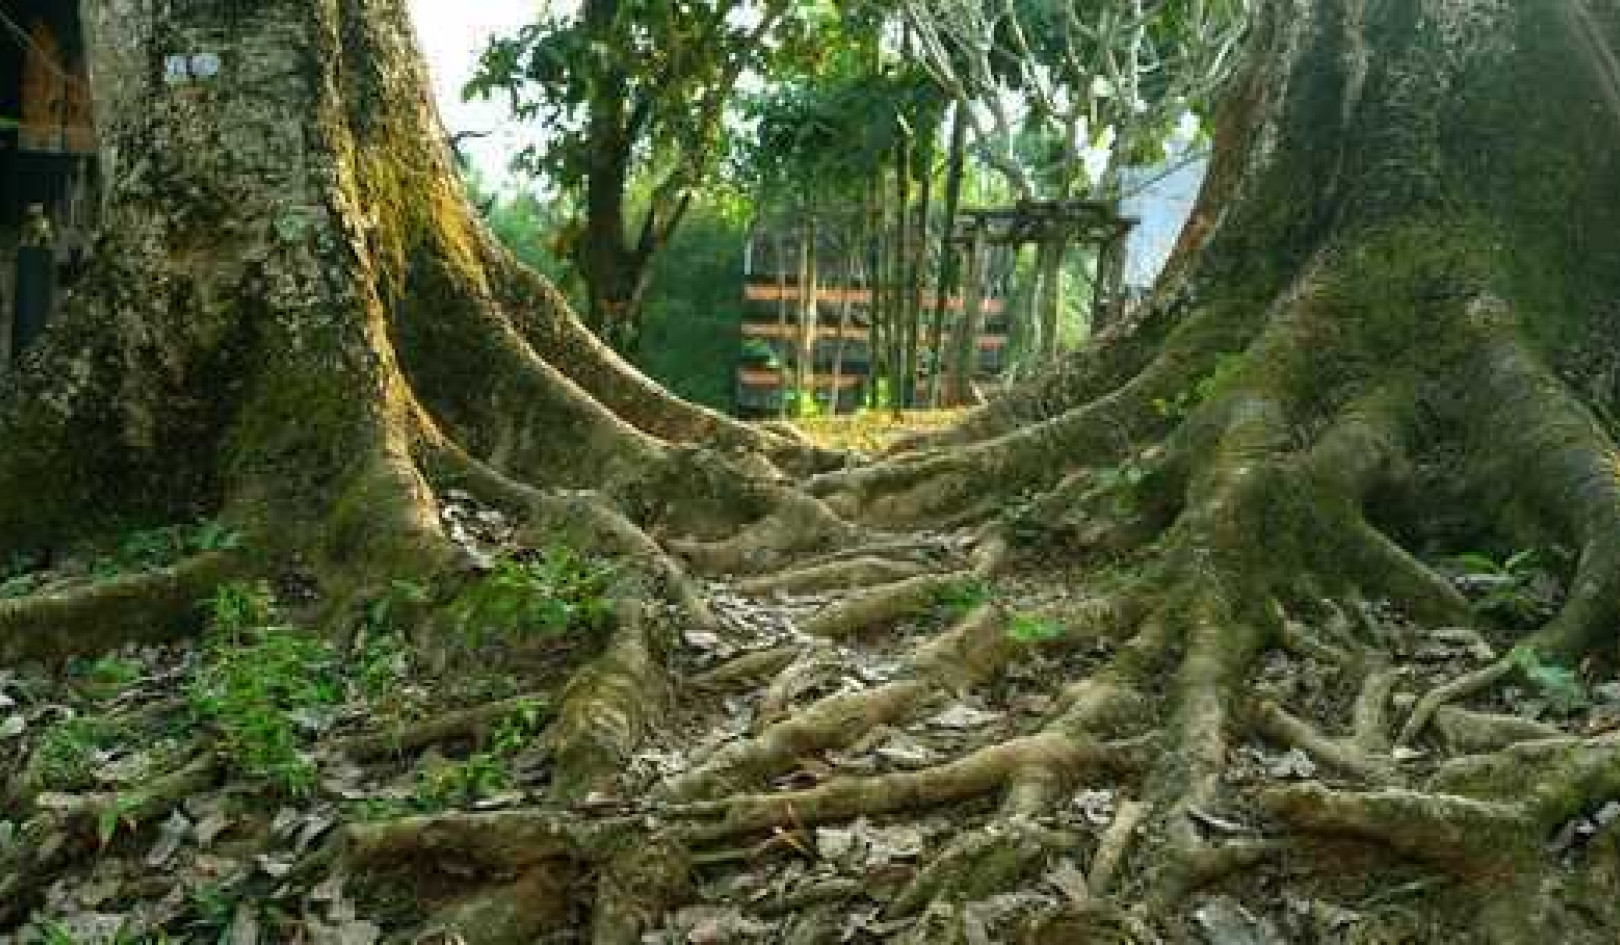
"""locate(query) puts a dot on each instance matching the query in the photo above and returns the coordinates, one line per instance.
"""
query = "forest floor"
(199, 791)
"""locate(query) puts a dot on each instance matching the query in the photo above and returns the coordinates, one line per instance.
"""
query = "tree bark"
(1385, 336)
(296, 312)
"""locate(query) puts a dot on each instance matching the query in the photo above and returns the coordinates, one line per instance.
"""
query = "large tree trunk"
(297, 321)
(1386, 336)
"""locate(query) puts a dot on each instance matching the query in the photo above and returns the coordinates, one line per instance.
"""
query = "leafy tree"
(635, 93)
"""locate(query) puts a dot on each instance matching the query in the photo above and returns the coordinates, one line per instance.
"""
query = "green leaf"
(1027, 628)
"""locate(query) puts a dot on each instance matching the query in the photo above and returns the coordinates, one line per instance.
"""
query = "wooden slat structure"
(830, 353)
(48, 158)
(57, 117)
(1055, 226)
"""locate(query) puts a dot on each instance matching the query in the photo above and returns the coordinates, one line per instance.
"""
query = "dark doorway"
(47, 161)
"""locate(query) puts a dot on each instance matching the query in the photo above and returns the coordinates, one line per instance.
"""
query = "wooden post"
(846, 299)
(965, 357)
(804, 375)
(781, 321)
(1050, 293)
(1109, 290)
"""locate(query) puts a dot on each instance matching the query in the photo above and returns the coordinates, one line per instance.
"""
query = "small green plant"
(20, 586)
(461, 782)
(384, 611)
(486, 772)
(558, 593)
(960, 597)
(258, 687)
(1561, 686)
(374, 809)
(68, 753)
(1120, 483)
(214, 536)
(117, 814)
(213, 904)
(762, 353)
(152, 548)
(1212, 385)
(1033, 629)
(237, 607)
(106, 677)
(1514, 589)
(381, 663)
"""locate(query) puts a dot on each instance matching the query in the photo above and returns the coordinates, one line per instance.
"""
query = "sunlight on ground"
(873, 431)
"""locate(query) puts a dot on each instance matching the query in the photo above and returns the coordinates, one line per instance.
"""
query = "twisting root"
(1343, 755)
(1116, 841)
(609, 707)
(972, 651)
(157, 606)
(1457, 832)
(67, 826)
(1466, 732)
(963, 779)
(475, 722)
(799, 523)
(1460, 688)
(909, 598)
(833, 575)
(1362, 755)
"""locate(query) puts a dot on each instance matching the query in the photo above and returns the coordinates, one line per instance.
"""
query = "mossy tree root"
(152, 607)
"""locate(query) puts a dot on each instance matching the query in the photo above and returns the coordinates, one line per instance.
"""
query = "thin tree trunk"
(965, 353)
(947, 253)
(850, 284)
(1049, 261)
(809, 305)
(901, 282)
(782, 366)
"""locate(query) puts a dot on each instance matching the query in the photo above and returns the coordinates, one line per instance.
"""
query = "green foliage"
(961, 597)
(263, 688)
(486, 772)
(455, 783)
(1518, 590)
(802, 404)
(105, 677)
(823, 137)
(151, 548)
(1121, 484)
(1562, 687)
(382, 662)
(690, 328)
(237, 606)
(659, 72)
(117, 814)
(383, 613)
(534, 229)
(52, 932)
(1033, 629)
(1217, 382)
(558, 593)
(68, 753)
(19, 577)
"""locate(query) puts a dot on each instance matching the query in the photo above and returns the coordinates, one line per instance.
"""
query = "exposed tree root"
(965, 656)
(473, 723)
(912, 597)
(68, 826)
(151, 607)
(609, 707)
